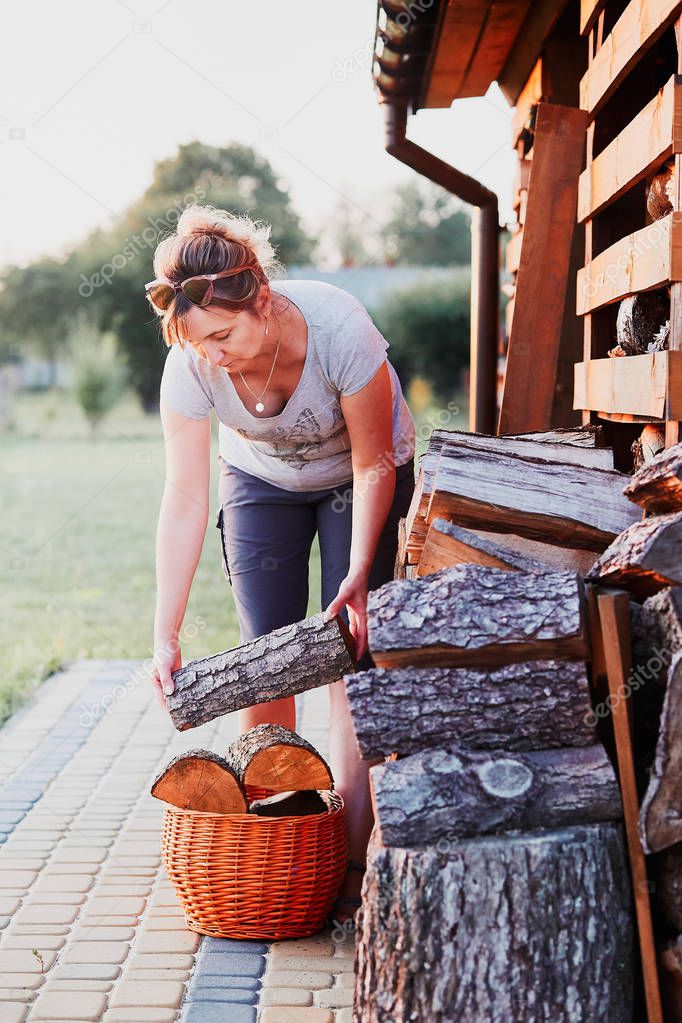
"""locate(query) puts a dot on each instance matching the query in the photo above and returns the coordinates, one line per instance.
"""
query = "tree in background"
(106, 274)
(427, 227)
(99, 378)
(427, 327)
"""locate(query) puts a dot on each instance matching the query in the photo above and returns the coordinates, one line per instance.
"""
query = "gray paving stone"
(208, 982)
(214, 1012)
(226, 996)
(230, 964)
(231, 945)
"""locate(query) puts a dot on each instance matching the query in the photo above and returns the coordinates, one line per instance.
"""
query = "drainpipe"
(484, 262)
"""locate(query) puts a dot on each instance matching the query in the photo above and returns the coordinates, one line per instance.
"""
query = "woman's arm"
(369, 419)
(183, 517)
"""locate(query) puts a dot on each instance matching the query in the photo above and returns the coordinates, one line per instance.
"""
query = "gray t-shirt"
(305, 447)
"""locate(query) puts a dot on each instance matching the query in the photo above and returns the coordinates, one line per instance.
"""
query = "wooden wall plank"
(512, 254)
(530, 95)
(542, 276)
(589, 12)
(642, 385)
(648, 258)
(637, 29)
(647, 141)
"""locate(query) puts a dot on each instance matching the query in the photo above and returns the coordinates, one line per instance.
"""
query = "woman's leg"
(334, 519)
(266, 534)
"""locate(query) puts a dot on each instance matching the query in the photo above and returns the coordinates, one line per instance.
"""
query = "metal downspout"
(484, 262)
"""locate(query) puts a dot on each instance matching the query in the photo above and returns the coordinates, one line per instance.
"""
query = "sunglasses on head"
(198, 290)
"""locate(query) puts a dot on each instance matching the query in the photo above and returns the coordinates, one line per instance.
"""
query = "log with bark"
(661, 191)
(447, 544)
(299, 803)
(456, 793)
(640, 318)
(585, 446)
(477, 616)
(530, 927)
(570, 505)
(660, 817)
(670, 972)
(645, 448)
(644, 558)
(529, 706)
(657, 485)
(287, 661)
(273, 757)
(201, 780)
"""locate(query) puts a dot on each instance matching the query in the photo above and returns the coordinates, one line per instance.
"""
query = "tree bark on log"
(644, 558)
(201, 780)
(518, 707)
(657, 486)
(447, 544)
(670, 971)
(529, 927)
(287, 661)
(586, 446)
(571, 505)
(273, 757)
(660, 816)
(666, 870)
(477, 616)
(455, 793)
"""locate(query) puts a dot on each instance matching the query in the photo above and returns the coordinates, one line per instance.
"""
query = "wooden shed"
(526, 704)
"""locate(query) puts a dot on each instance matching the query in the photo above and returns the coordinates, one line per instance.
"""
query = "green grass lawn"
(77, 542)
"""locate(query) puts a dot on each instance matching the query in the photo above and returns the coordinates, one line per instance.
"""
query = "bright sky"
(94, 94)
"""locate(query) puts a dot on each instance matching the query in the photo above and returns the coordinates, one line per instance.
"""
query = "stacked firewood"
(266, 759)
(497, 884)
(646, 559)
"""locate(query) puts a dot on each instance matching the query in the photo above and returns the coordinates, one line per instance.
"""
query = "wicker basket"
(246, 876)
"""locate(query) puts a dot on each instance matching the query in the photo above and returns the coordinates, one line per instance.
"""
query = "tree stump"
(523, 927)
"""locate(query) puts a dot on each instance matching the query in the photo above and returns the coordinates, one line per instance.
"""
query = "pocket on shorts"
(223, 547)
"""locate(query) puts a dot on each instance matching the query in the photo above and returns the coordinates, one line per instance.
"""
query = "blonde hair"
(207, 240)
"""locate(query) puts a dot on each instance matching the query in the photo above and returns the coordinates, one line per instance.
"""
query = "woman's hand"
(353, 595)
(167, 658)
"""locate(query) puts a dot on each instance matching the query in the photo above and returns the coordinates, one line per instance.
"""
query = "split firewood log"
(585, 446)
(201, 780)
(534, 705)
(640, 318)
(477, 616)
(670, 973)
(273, 757)
(661, 192)
(660, 816)
(666, 869)
(657, 485)
(645, 448)
(447, 544)
(644, 558)
(301, 803)
(569, 505)
(456, 793)
(284, 662)
(490, 930)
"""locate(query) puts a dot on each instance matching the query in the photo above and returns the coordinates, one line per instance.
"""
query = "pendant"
(260, 407)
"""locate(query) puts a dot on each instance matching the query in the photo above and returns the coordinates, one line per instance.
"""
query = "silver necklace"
(260, 407)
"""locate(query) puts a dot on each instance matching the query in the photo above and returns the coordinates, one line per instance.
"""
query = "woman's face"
(225, 338)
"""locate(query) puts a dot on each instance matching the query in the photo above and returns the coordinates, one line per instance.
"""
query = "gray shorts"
(266, 534)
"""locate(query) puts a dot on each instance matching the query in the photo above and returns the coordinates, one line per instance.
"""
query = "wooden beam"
(540, 20)
(639, 26)
(541, 281)
(614, 614)
(589, 12)
(642, 385)
(653, 135)
(646, 259)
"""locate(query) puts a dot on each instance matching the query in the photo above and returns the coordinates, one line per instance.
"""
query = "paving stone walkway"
(90, 926)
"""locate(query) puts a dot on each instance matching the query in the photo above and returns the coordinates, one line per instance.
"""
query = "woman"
(314, 436)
